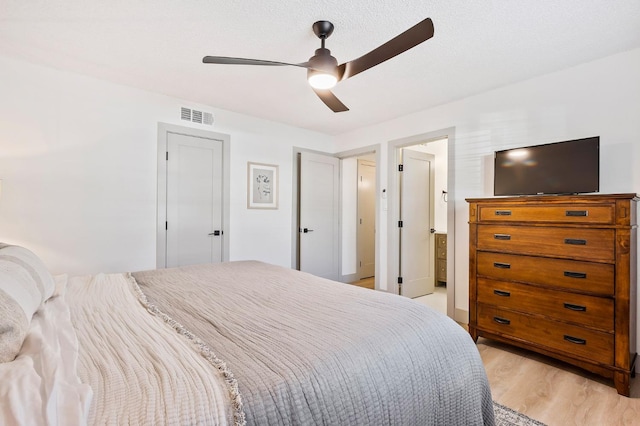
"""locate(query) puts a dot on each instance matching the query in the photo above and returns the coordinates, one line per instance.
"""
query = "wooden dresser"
(557, 275)
(441, 259)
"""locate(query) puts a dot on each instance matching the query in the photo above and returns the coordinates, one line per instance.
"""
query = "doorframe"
(393, 216)
(164, 129)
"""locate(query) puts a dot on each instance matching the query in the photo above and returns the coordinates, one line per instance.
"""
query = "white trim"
(461, 316)
(349, 278)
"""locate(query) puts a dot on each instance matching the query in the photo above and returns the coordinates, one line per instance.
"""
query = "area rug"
(505, 416)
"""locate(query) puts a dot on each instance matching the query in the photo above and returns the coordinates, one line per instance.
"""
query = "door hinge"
(167, 156)
(399, 280)
(166, 226)
(400, 224)
(400, 286)
(400, 167)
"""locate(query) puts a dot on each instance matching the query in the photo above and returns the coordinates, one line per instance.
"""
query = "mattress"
(228, 344)
(306, 350)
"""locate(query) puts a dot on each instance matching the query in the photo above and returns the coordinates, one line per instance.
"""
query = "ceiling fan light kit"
(321, 79)
(323, 71)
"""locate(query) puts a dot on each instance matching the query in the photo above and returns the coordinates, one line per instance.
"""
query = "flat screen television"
(569, 167)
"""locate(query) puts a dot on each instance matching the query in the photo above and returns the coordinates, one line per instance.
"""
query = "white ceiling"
(158, 45)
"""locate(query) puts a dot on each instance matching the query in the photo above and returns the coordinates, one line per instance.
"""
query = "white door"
(194, 200)
(366, 226)
(319, 211)
(416, 213)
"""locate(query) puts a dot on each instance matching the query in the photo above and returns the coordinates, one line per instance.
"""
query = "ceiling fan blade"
(331, 100)
(243, 61)
(415, 35)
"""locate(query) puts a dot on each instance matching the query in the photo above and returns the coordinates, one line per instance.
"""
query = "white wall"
(598, 98)
(78, 164)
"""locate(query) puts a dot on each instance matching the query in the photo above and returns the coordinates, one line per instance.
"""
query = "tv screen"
(569, 167)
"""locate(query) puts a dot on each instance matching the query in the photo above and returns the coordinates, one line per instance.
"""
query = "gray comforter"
(309, 351)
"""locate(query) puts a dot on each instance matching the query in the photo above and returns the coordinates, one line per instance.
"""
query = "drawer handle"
(502, 236)
(575, 242)
(501, 293)
(575, 340)
(503, 212)
(574, 213)
(576, 308)
(571, 274)
(503, 321)
(501, 265)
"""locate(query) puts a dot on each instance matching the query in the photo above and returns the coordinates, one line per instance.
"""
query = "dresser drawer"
(571, 213)
(441, 270)
(570, 339)
(572, 243)
(591, 311)
(588, 277)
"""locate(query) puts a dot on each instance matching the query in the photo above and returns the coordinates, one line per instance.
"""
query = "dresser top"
(587, 198)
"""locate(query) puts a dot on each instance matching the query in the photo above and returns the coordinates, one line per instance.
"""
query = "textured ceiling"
(158, 46)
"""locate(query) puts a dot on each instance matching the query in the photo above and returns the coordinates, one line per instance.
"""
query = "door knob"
(215, 233)
(432, 230)
(305, 230)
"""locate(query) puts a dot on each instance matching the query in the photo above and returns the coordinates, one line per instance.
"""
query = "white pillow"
(32, 263)
(25, 284)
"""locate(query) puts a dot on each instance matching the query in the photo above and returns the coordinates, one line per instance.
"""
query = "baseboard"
(461, 316)
(349, 278)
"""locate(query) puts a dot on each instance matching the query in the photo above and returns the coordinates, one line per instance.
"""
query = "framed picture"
(262, 186)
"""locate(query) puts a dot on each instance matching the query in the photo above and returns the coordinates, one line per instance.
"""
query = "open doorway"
(439, 231)
(366, 219)
(360, 221)
(345, 209)
(358, 201)
(425, 201)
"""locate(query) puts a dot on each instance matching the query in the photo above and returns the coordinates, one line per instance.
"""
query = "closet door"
(194, 200)
(319, 210)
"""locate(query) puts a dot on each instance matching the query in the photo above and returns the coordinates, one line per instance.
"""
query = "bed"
(233, 343)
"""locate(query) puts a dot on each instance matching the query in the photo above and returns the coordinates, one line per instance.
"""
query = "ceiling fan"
(323, 71)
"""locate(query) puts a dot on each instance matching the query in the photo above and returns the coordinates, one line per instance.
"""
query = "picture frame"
(262, 186)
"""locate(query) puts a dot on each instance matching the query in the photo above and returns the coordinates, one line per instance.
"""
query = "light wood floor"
(366, 283)
(553, 392)
(550, 391)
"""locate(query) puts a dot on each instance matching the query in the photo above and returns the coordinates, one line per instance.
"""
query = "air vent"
(196, 116)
